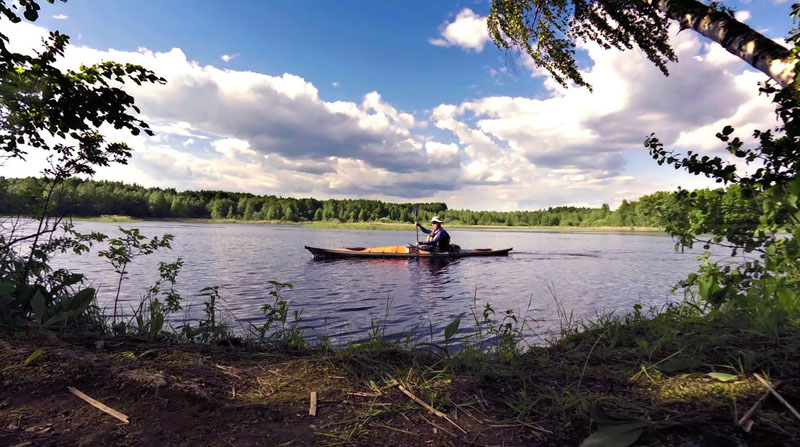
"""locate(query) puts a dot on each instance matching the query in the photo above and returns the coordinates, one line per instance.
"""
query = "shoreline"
(391, 226)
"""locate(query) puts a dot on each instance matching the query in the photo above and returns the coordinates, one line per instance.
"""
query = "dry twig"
(360, 394)
(99, 405)
(312, 406)
(778, 396)
(428, 407)
(746, 420)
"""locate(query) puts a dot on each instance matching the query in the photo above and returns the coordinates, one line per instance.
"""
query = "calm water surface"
(590, 273)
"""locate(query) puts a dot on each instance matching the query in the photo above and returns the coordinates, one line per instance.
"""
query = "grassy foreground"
(675, 379)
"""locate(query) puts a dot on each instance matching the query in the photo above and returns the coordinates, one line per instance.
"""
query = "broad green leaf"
(60, 317)
(707, 285)
(616, 435)
(677, 364)
(722, 377)
(81, 301)
(39, 306)
(452, 328)
(73, 279)
(156, 323)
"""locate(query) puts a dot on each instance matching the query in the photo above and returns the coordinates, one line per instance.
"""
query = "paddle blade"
(415, 209)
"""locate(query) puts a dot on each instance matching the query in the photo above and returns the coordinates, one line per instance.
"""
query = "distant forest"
(89, 198)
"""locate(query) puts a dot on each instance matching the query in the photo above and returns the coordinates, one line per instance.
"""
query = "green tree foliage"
(158, 205)
(547, 31)
(759, 217)
(123, 250)
(88, 198)
(38, 102)
(58, 112)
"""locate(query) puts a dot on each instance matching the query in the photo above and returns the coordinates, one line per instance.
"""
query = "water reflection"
(438, 266)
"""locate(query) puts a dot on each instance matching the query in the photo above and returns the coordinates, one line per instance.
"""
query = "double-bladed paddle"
(415, 210)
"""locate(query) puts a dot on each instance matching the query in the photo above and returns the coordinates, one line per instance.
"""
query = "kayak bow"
(400, 252)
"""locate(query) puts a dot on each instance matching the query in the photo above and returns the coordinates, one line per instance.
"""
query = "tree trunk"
(763, 53)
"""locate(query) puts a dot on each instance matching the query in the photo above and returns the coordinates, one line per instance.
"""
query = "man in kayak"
(438, 239)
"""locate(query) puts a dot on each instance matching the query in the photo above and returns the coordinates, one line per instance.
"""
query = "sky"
(399, 101)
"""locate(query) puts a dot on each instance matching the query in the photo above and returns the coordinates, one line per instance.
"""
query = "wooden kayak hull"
(400, 252)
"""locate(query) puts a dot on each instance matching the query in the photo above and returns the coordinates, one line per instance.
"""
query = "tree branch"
(737, 38)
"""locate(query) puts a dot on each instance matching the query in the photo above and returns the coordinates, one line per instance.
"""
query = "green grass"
(397, 226)
(392, 226)
(108, 219)
(679, 373)
(677, 376)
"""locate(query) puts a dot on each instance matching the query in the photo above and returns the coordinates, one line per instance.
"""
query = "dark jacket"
(438, 240)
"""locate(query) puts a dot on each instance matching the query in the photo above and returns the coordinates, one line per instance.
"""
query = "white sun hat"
(436, 219)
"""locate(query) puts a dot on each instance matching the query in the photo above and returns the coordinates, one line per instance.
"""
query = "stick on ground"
(778, 396)
(312, 406)
(745, 421)
(428, 407)
(99, 405)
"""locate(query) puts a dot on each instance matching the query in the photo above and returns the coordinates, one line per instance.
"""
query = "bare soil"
(176, 395)
(189, 395)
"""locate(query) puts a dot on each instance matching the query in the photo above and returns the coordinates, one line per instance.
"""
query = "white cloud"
(577, 145)
(229, 57)
(60, 17)
(743, 15)
(269, 126)
(231, 147)
(468, 30)
(277, 135)
(334, 84)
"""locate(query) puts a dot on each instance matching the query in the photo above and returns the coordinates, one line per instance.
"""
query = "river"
(588, 273)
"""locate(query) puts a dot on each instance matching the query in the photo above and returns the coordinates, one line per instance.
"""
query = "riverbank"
(390, 226)
(676, 379)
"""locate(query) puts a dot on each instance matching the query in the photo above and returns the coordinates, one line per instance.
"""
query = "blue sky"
(362, 45)
(399, 101)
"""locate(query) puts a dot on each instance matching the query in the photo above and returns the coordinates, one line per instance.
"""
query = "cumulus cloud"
(229, 57)
(61, 17)
(247, 131)
(743, 15)
(268, 126)
(281, 115)
(577, 141)
(231, 147)
(467, 30)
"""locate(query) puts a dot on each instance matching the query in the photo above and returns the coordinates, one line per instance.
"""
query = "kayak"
(400, 252)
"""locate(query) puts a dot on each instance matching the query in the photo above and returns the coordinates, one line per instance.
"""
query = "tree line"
(90, 198)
